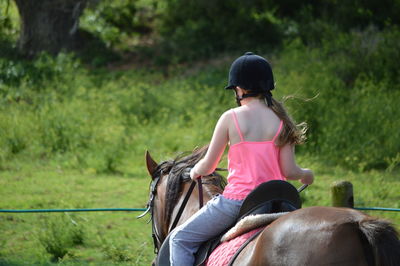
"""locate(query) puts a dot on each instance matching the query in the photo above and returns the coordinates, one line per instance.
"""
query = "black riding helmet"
(252, 73)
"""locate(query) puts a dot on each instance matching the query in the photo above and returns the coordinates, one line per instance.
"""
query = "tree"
(49, 25)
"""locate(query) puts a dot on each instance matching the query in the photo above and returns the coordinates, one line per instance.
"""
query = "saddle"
(270, 197)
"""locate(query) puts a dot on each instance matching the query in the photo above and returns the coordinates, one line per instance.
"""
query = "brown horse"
(308, 236)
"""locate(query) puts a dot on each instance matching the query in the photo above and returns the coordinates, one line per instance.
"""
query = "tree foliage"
(184, 30)
(202, 28)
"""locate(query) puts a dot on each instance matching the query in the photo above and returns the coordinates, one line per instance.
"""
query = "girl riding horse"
(311, 236)
(261, 137)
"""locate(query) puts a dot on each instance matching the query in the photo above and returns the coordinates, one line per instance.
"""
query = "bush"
(120, 24)
(361, 136)
(201, 29)
(117, 253)
(21, 79)
(59, 234)
(355, 85)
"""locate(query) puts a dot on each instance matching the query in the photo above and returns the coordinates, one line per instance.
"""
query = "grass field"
(118, 238)
(107, 238)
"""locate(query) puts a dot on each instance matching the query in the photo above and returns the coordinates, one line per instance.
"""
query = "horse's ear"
(150, 163)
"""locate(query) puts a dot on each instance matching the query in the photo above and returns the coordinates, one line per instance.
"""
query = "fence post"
(342, 194)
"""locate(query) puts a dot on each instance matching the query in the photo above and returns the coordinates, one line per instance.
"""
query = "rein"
(186, 199)
(150, 208)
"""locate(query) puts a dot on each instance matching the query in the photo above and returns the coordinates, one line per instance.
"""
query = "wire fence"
(75, 210)
(342, 192)
(143, 209)
(377, 209)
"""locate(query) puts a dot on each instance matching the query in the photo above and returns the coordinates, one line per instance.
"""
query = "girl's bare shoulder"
(238, 109)
(226, 115)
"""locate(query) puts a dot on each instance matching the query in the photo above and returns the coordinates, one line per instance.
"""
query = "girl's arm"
(290, 169)
(215, 150)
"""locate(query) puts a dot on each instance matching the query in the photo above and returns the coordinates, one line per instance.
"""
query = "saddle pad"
(224, 252)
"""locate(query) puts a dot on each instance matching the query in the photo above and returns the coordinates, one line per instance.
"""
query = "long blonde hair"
(291, 133)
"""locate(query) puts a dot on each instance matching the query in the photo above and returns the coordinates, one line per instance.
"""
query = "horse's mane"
(177, 170)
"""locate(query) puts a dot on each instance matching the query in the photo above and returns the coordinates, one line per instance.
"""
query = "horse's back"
(309, 236)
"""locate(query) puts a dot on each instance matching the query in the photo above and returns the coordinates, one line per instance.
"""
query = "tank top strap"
(278, 132)
(237, 125)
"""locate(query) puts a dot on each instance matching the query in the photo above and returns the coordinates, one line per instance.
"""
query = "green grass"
(107, 238)
(119, 238)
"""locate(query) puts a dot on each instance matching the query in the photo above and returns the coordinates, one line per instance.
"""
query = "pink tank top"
(251, 163)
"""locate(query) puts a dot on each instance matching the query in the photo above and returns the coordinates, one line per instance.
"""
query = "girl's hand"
(308, 177)
(193, 175)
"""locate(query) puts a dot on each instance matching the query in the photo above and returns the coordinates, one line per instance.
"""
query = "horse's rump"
(324, 236)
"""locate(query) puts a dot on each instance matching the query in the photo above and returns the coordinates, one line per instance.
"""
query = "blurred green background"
(79, 107)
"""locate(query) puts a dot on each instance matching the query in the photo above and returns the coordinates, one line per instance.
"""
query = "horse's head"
(169, 183)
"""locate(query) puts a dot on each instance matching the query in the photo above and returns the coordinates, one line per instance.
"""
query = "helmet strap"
(239, 99)
(267, 97)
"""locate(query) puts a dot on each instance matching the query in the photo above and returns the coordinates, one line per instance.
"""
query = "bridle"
(150, 208)
(157, 239)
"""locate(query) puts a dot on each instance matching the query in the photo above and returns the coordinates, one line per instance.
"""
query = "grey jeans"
(216, 216)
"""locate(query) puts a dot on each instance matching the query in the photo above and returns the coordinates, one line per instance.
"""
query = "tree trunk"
(48, 25)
